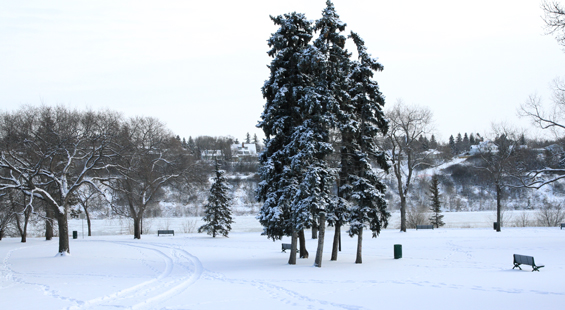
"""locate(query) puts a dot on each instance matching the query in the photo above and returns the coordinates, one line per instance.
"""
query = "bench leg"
(517, 265)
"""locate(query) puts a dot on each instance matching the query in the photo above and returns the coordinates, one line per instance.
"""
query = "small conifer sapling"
(436, 218)
(218, 212)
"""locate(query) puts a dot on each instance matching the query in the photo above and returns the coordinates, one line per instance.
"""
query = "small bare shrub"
(416, 216)
(522, 220)
(189, 226)
(550, 215)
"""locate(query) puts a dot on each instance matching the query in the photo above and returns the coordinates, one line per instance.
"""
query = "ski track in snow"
(168, 284)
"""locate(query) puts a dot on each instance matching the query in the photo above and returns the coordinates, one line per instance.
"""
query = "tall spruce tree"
(284, 92)
(364, 188)
(218, 211)
(331, 88)
(435, 207)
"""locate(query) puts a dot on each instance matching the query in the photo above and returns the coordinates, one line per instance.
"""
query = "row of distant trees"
(52, 158)
(202, 143)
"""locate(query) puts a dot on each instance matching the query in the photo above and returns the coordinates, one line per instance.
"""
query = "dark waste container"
(495, 225)
(75, 234)
(397, 251)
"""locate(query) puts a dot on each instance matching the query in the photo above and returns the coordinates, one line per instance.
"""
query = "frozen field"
(447, 268)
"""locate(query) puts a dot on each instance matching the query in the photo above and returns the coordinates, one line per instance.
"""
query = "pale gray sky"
(199, 65)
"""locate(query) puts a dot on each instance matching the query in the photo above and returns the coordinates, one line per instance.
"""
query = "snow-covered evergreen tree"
(364, 187)
(314, 89)
(332, 82)
(436, 218)
(218, 211)
(286, 90)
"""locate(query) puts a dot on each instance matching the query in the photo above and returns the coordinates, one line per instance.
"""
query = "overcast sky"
(199, 65)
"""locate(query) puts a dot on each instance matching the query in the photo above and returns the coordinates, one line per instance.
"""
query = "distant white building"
(211, 154)
(483, 147)
(243, 150)
(238, 152)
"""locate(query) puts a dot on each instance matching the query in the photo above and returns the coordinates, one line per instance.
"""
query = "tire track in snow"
(163, 287)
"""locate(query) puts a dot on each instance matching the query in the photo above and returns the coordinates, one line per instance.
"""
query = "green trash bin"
(75, 234)
(397, 251)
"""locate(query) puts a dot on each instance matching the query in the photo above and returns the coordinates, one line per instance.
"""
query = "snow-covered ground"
(447, 268)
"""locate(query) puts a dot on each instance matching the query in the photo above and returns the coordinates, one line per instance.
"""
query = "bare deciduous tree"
(551, 119)
(554, 18)
(148, 157)
(90, 199)
(407, 125)
(500, 158)
(48, 153)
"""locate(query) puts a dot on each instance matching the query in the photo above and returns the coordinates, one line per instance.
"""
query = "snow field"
(440, 269)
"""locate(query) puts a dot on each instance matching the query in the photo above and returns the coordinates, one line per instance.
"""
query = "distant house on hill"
(238, 151)
(483, 147)
(211, 154)
(243, 150)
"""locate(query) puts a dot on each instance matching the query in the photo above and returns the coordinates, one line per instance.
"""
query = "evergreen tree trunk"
(302, 238)
(321, 235)
(63, 226)
(402, 213)
(359, 259)
(340, 240)
(49, 223)
(337, 241)
(314, 229)
(292, 258)
(498, 206)
(137, 227)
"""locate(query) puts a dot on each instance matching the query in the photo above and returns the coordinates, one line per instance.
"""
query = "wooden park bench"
(562, 225)
(165, 232)
(424, 227)
(288, 246)
(525, 260)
